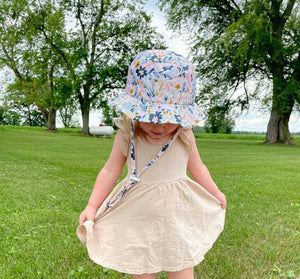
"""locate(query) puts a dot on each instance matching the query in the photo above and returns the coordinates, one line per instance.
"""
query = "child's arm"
(105, 181)
(200, 172)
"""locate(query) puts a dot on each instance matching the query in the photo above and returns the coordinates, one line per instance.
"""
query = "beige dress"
(166, 222)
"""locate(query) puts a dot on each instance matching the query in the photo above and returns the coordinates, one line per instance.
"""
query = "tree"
(66, 116)
(9, 116)
(16, 101)
(219, 120)
(36, 67)
(244, 45)
(108, 114)
(102, 39)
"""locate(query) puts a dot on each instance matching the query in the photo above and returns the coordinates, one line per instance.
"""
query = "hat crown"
(161, 76)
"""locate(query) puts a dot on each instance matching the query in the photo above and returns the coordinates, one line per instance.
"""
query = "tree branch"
(275, 13)
(93, 47)
(236, 6)
(296, 73)
(96, 24)
(287, 12)
(262, 70)
(106, 86)
(219, 5)
(54, 46)
(11, 64)
(246, 92)
(84, 34)
(100, 53)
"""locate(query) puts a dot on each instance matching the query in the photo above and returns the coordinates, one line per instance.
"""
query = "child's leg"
(144, 276)
(187, 273)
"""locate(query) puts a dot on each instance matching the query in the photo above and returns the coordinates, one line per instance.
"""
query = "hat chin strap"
(134, 177)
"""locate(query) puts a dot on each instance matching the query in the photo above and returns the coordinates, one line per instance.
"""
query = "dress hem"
(172, 269)
(160, 269)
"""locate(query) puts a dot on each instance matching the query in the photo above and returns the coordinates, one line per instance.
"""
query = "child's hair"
(138, 131)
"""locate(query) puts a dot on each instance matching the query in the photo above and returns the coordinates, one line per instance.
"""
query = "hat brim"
(157, 113)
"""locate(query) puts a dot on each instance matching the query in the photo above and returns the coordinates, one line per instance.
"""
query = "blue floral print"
(155, 58)
(178, 118)
(155, 118)
(150, 93)
(160, 77)
(141, 72)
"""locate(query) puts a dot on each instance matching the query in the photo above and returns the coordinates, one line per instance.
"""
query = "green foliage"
(67, 112)
(32, 117)
(18, 101)
(37, 68)
(241, 48)
(44, 186)
(16, 111)
(108, 114)
(9, 117)
(219, 120)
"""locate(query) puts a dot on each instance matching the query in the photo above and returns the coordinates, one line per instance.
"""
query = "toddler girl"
(157, 218)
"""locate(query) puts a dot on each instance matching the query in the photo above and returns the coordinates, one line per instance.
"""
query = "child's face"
(158, 131)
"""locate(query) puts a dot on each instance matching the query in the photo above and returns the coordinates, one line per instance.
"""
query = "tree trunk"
(282, 106)
(278, 128)
(85, 108)
(51, 120)
(85, 121)
(85, 113)
(282, 99)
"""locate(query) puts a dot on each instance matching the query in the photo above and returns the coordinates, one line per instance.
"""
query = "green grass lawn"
(46, 179)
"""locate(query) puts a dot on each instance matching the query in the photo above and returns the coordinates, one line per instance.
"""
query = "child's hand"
(222, 198)
(87, 214)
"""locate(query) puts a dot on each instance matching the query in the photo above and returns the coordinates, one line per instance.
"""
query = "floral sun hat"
(161, 87)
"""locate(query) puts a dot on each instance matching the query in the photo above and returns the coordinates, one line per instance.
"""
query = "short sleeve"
(184, 138)
(124, 128)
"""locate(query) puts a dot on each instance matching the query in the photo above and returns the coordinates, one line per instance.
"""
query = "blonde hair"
(138, 131)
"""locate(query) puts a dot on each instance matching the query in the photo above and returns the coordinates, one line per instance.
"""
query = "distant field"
(46, 179)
